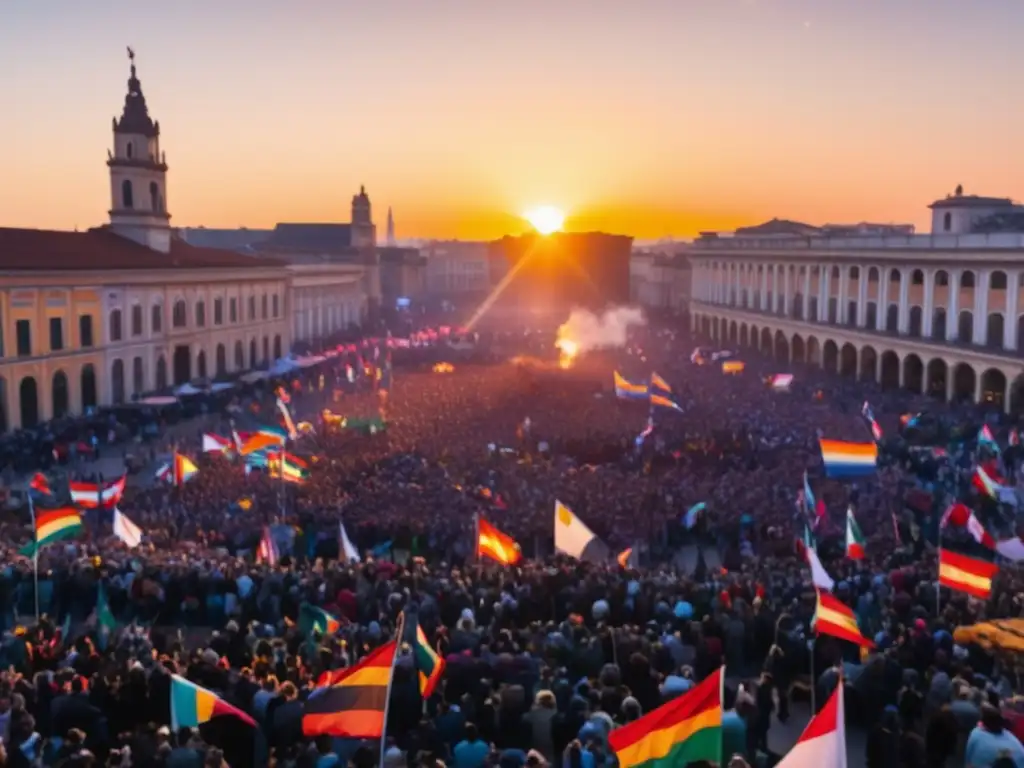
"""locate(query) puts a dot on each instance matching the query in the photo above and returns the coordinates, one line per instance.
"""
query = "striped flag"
(94, 496)
(854, 538)
(429, 665)
(53, 525)
(353, 706)
(966, 574)
(267, 551)
(832, 617)
(496, 545)
(961, 516)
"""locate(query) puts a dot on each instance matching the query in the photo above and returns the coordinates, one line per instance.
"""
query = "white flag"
(818, 573)
(126, 530)
(348, 551)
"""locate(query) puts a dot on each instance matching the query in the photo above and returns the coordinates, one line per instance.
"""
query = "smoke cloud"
(609, 329)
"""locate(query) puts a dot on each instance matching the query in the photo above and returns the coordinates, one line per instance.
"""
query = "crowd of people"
(543, 659)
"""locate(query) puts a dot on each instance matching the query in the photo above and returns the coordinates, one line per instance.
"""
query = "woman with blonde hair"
(541, 721)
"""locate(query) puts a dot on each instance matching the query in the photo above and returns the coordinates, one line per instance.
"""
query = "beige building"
(659, 278)
(939, 313)
(456, 267)
(100, 317)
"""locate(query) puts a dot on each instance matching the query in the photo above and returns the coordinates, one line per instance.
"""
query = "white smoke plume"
(588, 331)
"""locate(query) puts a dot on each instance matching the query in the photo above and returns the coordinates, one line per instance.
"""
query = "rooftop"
(101, 249)
(308, 237)
(895, 243)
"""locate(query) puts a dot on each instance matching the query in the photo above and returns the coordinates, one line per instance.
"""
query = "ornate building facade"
(939, 313)
(97, 318)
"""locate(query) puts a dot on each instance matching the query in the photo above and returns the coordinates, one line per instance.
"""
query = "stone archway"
(28, 396)
(1017, 395)
(830, 356)
(755, 337)
(889, 376)
(734, 332)
(993, 387)
(868, 364)
(913, 373)
(799, 354)
(59, 395)
(964, 382)
(937, 378)
(781, 347)
(848, 360)
(813, 351)
(766, 341)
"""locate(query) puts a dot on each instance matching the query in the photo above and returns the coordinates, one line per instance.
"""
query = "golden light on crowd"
(567, 352)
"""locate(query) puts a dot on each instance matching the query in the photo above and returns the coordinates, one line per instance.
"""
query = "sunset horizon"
(767, 110)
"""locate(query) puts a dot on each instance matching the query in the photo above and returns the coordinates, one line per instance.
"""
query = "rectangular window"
(252, 307)
(56, 334)
(137, 320)
(218, 311)
(85, 330)
(23, 330)
(233, 310)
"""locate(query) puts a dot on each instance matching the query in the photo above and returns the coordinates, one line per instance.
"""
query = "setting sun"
(545, 219)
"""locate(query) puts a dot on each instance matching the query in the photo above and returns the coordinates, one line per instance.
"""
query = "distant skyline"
(656, 118)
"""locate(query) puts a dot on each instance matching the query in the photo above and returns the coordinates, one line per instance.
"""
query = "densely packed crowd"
(542, 659)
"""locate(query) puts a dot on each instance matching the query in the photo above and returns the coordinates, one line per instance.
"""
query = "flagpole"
(35, 552)
(399, 631)
(814, 680)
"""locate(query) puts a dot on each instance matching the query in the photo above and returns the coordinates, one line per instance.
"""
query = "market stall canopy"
(1006, 634)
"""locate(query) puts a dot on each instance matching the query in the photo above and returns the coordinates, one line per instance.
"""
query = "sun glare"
(546, 219)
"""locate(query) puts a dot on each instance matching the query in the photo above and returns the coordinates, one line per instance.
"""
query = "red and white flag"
(823, 742)
(961, 516)
(91, 496)
(267, 551)
(126, 530)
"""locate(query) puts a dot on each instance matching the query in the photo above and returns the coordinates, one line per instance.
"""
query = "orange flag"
(496, 545)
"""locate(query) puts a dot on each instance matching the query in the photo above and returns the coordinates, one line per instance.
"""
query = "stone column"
(1010, 317)
(928, 309)
(953, 311)
(823, 276)
(775, 291)
(903, 318)
(787, 304)
(981, 287)
(806, 300)
(844, 286)
(882, 301)
(862, 296)
(762, 300)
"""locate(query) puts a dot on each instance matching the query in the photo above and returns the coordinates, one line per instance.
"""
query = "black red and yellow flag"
(353, 707)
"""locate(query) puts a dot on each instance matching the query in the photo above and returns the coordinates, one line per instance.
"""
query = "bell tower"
(364, 233)
(138, 173)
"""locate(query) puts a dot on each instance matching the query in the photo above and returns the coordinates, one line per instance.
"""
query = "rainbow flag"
(844, 459)
(660, 384)
(429, 664)
(53, 525)
(627, 390)
(191, 706)
(660, 401)
(686, 730)
(353, 705)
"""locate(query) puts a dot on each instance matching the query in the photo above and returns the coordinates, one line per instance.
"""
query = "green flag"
(314, 619)
(105, 621)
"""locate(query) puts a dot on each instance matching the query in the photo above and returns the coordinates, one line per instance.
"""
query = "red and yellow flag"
(496, 545)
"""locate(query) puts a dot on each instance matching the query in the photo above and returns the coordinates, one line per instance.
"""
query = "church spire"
(391, 228)
(135, 115)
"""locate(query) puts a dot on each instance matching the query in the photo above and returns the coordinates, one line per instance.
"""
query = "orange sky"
(657, 118)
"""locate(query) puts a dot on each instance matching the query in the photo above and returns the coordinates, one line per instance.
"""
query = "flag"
(732, 366)
(626, 390)
(216, 444)
(126, 530)
(686, 730)
(854, 538)
(660, 384)
(966, 574)
(284, 465)
(191, 706)
(781, 382)
(819, 575)
(353, 707)
(660, 401)
(92, 496)
(626, 559)
(40, 485)
(260, 442)
(178, 472)
(693, 514)
(495, 544)
(53, 525)
(429, 665)
(106, 624)
(695, 357)
(876, 430)
(811, 503)
(987, 440)
(843, 460)
(287, 416)
(574, 538)
(346, 549)
(381, 550)
(961, 516)
(832, 617)
(989, 483)
(823, 742)
(315, 619)
(267, 552)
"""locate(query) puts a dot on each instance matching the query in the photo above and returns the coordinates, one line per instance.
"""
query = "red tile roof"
(98, 249)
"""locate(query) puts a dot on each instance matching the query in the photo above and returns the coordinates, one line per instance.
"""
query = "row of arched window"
(269, 307)
(997, 279)
(60, 397)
